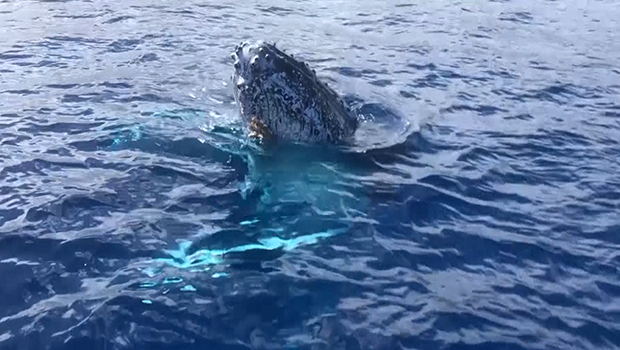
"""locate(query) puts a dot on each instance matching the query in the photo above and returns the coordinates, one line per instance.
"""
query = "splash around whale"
(281, 98)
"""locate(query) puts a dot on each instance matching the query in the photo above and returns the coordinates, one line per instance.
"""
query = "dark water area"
(477, 208)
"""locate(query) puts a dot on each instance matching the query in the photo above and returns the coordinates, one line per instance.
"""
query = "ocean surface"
(478, 206)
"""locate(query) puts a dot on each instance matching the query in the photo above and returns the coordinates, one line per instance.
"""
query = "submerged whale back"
(281, 97)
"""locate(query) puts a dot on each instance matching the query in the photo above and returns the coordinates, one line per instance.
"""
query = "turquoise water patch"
(188, 288)
(248, 222)
(204, 258)
(172, 280)
(129, 135)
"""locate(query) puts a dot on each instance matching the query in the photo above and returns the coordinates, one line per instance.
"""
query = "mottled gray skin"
(281, 98)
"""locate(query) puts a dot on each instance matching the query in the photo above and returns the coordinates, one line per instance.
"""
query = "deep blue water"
(478, 207)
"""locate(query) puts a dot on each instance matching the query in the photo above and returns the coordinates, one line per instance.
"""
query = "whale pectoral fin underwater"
(281, 98)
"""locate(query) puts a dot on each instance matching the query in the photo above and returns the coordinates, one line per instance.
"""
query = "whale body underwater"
(281, 98)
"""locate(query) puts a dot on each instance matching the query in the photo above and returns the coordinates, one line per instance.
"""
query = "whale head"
(280, 97)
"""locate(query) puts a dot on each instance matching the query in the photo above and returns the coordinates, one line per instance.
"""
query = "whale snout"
(252, 60)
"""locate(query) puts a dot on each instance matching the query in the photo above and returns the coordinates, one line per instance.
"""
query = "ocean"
(477, 207)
